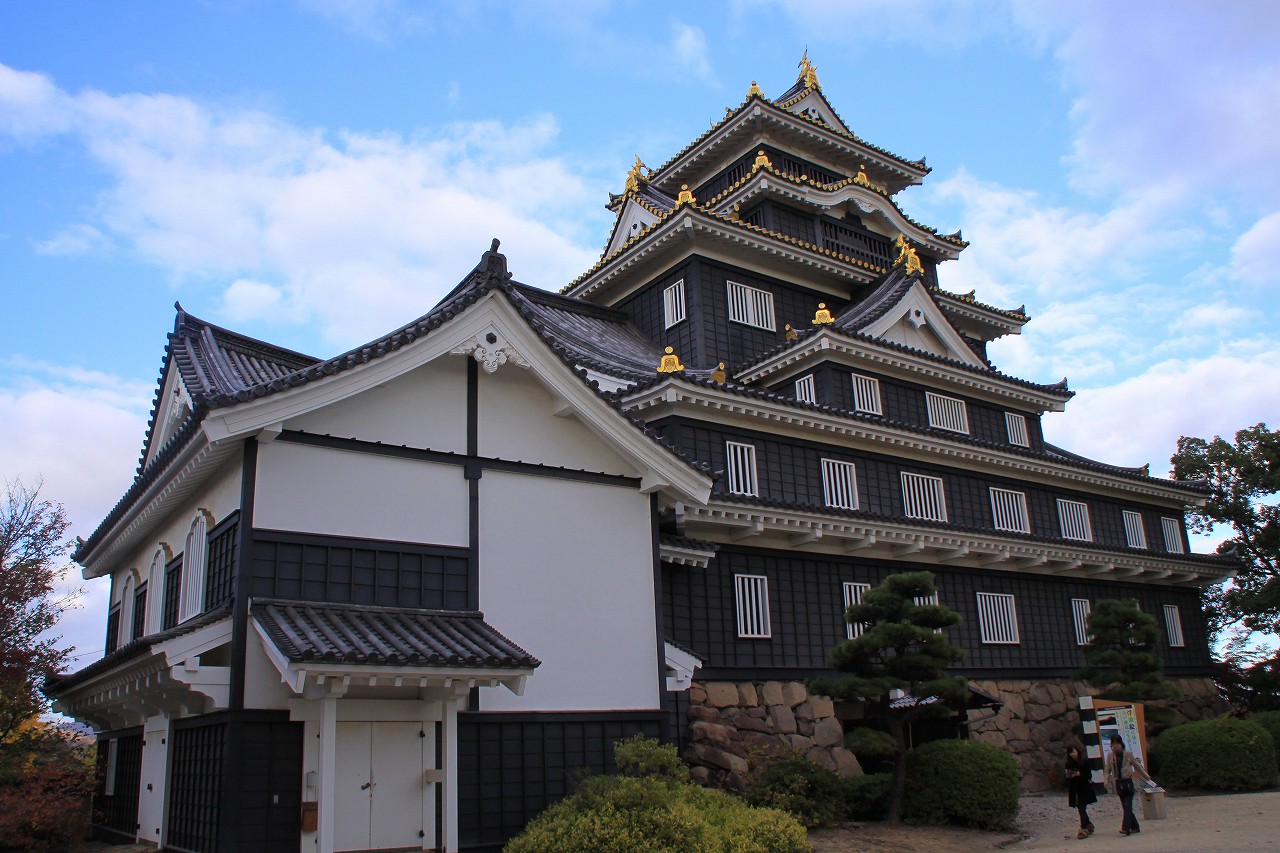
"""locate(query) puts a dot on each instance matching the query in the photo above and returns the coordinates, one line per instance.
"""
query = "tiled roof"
(875, 304)
(386, 636)
(1019, 313)
(687, 543)
(61, 684)
(605, 343)
(214, 360)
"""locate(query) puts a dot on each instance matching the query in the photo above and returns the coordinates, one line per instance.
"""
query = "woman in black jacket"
(1080, 791)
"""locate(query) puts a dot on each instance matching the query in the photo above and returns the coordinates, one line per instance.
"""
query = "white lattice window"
(750, 305)
(853, 593)
(922, 497)
(1134, 535)
(839, 484)
(805, 391)
(866, 394)
(947, 412)
(1172, 535)
(1017, 428)
(997, 618)
(1173, 625)
(751, 593)
(673, 304)
(1074, 518)
(742, 467)
(193, 560)
(1009, 509)
(1080, 618)
(923, 600)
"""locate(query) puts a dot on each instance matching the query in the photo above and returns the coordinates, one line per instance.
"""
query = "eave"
(854, 352)
(769, 527)
(809, 422)
(998, 321)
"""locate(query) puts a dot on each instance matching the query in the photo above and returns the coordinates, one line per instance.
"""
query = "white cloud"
(689, 46)
(246, 299)
(1255, 257)
(373, 19)
(73, 240)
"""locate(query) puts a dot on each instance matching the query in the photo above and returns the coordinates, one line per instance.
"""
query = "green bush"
(810, 792)
(655, 811)
(961, 781)
(867, 797)
(1270, 720)
(1226, 754)
(865, 743)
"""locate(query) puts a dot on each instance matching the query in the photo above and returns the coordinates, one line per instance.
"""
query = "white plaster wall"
(263, 689)
(341, 493)
(426, 408)
(566, 572)
(517, 421)
(155, 761)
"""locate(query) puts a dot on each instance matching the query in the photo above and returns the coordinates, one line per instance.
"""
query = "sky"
(315, 173)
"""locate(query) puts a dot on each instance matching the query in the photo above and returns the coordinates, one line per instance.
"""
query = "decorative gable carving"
(492, 351)
(916, 321)
(814, 106)
(633, 219)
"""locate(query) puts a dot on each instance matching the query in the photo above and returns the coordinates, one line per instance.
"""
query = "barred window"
(1017, 428)
(866, 394)
(1074, 518)
(1080, 618)
(750, 306)
(839, 484)
(752, 595)
(193, 560)
(1134, 535)
(805, 392)
(922, 497)
(947, 412)
(1172, 535)
(853, 593)
(997, 618)
(138, 624)
(673, 304)
(742, 468)
(922, 600)
(1173, 625)
(1009, 509)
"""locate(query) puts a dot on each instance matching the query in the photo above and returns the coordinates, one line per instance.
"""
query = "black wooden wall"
(116, 815)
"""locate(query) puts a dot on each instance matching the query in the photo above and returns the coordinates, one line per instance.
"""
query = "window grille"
(922, 497)
(752, 593)
(742, 468)
(947, 412)
(997, 618)
(172, 592)
(1074, 518)
(673, 304)
(750, 306)
(1009, 509)
(1173, 625)
(839, 484)
(922, 600)
(1080, 618)
(138, 626)
(1017, 428)
(1172, 535)
(1134, 535)
(853, 593)
(866, 394)
(193, 561)
(805, 392)
(113, 629)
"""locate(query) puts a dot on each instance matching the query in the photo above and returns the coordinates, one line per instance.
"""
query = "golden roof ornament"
(670, 362)
(635, 176)
(822, 317)
(685, 196)
(907, 255)
(718, 375)
(755, 90)
(792, 334)
(735, 215)
(808, 73)
(762, 160)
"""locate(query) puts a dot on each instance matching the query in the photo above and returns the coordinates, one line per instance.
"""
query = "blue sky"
(317, 172)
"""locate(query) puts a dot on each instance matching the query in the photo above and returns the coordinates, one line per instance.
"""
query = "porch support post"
(328, 770)
(449, 770)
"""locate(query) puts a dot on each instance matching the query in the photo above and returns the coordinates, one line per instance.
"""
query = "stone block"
(712, 733)
(804, 711)
(757, 712)
(996, 738)
(747, 696)
(1036, 713)
(822, 707)
(700, 776)
(1014, 704)
(1040, 694)
(704, 713)
(752, 724)
(821, 757)
(805, 727)
(771, 693)
(828, 732)
(784, 721)
(722, 694)
(1019, 730)
(800, 742)
(713, 757)
(793, 693)
(846, 762)
(697, 695)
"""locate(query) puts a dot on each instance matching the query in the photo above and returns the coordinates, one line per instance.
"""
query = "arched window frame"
(155, 591)
(125, 631)
(194, 558)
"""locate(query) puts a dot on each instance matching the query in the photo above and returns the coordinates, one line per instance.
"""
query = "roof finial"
(907, 255)
(762, 160)
(719, 375)
(822, 316)
(635, 176)
(755, 90)
(808, 73)
(670, 362)
(685, 196)
(493, 261)
(792, 334)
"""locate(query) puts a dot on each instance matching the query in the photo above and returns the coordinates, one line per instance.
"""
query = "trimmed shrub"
(655, 810)
(1226, 754)
(812, 793)
(961, 781)
(866, 742)
(867, 797)
(1270, 720)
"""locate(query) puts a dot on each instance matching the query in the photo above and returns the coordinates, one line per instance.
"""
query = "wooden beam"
(907, 550)
(805, 538)
(998, 557)
(755, 528)
(954, 554)
(854, 545)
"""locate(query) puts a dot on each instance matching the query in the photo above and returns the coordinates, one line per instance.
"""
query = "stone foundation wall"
(735, 727)
(1039, 717)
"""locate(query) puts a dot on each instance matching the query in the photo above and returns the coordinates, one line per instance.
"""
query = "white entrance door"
(380, 787)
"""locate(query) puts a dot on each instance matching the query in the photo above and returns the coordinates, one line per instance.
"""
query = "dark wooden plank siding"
(115, 815)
